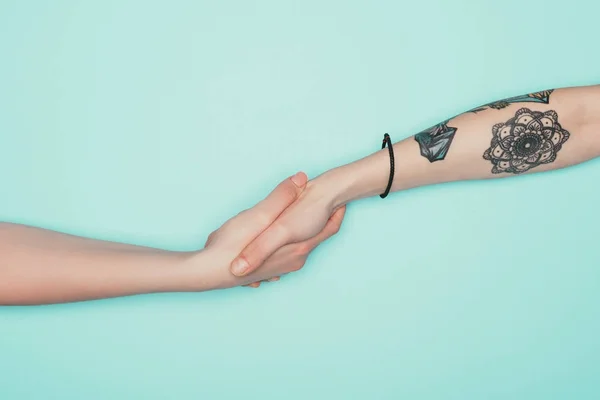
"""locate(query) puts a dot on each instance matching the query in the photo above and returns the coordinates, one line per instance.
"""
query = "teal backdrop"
(152, 122)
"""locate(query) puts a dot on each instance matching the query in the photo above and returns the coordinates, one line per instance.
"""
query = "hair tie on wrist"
(387, 141)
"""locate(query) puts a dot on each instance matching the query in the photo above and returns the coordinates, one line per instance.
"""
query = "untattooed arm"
(39, 266)
(524, 134)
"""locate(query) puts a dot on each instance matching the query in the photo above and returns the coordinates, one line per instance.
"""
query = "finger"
(263, 247)
(258, 251)
(267, 211)
(257, 219)
(281, 197)
(273, 279)
(209, 239)
(253, 285)
(331, 228)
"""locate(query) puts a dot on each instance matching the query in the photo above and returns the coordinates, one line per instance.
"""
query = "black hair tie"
(387, 141)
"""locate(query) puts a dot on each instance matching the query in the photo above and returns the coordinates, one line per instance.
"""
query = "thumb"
(281, 197)
(270, 208)
(259, 250)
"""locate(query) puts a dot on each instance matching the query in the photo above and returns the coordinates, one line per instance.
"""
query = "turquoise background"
(151, 122)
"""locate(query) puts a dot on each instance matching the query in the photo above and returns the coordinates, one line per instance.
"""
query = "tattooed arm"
(530, 133)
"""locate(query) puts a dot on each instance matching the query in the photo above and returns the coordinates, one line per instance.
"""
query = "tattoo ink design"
(537, 97)
(435, 141)
(529, 139)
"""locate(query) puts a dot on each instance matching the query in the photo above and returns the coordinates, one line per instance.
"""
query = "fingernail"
(298, 179)
(239, 266)
(274, 279)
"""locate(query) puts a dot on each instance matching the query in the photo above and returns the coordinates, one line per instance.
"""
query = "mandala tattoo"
(435, 141)
(529, 139)
(537, 97)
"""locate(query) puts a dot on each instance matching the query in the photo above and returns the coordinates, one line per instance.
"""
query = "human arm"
(39, 266)
(571, 138)
(525, 134)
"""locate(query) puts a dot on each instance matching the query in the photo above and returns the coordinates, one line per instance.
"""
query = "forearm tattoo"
(528, 139)
(537, 97)
(435, 141)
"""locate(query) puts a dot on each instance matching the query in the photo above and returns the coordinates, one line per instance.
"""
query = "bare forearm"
(527, 134)
(39, 266)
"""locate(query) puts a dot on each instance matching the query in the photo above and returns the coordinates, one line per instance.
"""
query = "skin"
(38, 266)
(577, 110)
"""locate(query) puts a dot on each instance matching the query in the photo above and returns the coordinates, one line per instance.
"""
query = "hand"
(305, 224)
(292, 257)
(227, 242)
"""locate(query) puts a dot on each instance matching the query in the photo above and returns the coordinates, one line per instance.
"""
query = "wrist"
(200, 271)
(364, 178)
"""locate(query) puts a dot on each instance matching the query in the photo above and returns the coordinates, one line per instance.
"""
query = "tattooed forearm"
(528, 136)
(435, 141)
(529, 139)
(537, 97)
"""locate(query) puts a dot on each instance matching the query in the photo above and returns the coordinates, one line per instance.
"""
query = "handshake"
(275, 236)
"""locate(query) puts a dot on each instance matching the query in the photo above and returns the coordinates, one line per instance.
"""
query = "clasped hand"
(276, 235)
